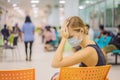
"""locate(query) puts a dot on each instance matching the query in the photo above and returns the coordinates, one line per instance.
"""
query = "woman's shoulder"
(87, 50)
(27, 23)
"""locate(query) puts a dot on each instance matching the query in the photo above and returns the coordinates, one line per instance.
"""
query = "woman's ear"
(86, 30)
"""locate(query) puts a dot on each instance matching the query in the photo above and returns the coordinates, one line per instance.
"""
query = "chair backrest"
(107, 41)
(103, 41)
(26, 74)
(84, 73)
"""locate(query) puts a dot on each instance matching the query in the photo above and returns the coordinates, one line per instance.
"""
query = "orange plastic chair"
(84, 73)
(26, 74)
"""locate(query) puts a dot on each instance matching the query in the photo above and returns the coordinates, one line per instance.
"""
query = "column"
(71, 8)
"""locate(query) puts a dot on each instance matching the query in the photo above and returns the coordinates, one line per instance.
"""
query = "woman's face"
(77, 33)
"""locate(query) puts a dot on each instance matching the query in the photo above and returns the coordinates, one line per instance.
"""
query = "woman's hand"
(64, 30)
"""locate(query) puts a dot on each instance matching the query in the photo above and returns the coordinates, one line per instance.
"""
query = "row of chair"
(66, 73)
(104, 41)
(5, 47)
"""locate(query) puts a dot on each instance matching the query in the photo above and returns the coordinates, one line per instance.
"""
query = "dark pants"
(15, 41)
(30, 47)
(43, 37)
(5, 38)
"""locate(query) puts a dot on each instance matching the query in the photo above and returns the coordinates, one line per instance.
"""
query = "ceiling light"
(61, 2)
(21, 12)
(16, 8)
(87, 2)
(9, 0)
(36, 1)
(14, 5)
(81, 7)
(33, 5)
(35, 11)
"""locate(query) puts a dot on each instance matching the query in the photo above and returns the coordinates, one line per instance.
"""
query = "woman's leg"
(26, 45)
(31, 42)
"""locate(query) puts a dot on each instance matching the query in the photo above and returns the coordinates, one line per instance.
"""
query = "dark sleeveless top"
(101, 57)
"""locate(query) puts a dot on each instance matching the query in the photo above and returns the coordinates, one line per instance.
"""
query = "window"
(117, 12)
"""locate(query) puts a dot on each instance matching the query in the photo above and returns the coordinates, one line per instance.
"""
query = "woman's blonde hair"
(76, 23)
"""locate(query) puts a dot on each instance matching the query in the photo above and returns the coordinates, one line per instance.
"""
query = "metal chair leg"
(116, 58)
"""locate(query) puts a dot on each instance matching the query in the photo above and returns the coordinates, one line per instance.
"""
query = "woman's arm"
(75, 58)
(59, 53)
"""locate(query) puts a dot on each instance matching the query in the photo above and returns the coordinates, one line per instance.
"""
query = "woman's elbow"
(54, 65)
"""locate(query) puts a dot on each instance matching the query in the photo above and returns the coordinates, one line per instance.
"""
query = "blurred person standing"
(5, 33)
(17, 33)
(28, 30)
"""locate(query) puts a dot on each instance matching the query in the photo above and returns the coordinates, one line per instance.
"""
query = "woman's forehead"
(74, 29)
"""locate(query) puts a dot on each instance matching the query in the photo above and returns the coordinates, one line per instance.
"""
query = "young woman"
(74, 30)
(28, 30)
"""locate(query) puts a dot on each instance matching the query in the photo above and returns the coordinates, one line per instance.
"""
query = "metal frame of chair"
(116, 53)
(14, 49)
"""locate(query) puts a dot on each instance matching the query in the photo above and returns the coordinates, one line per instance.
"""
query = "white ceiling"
(26, 6)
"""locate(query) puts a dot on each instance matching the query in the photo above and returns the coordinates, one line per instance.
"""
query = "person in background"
(105, 34)
(102, 30)
(90, 32)
(5, 33)
(56, 39)
(48, 38)
(42, 33)
(28, 30)
(17, 33)
(115, 44)
(54, 33)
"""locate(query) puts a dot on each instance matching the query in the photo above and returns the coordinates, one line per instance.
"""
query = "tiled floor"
(41, 61)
